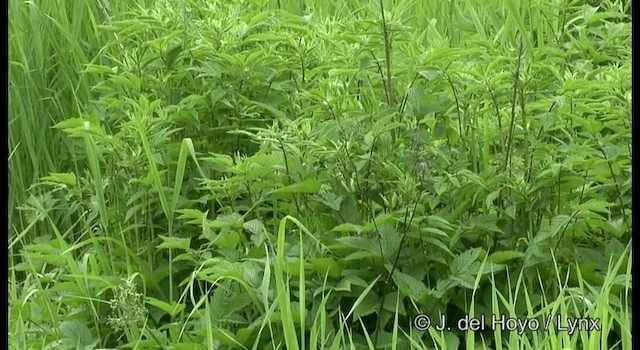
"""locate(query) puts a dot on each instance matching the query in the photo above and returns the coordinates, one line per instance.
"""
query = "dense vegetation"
(261, 174)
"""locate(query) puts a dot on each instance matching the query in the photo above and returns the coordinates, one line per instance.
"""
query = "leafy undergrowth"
(262, 174)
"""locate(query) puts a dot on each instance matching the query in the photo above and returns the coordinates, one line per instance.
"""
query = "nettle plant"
(285, 166)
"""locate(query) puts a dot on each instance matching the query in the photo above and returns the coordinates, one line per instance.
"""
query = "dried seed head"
(127, 306)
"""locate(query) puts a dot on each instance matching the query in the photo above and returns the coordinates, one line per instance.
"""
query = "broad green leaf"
(491, 197)
(306, 186)
(331, 200)
(254, 226)
(347, 227)
(62, 178)
(361, 243)
(452, 340)
(409, 285)
(389, 240)
(507, 255)
(440, 245)
(171, 309)
(390, 304)
(349, 280)
(367, 306)
(171, 55)
(227, 220)
(359, 255)
(511, 211)
(349, 210)
(174, 243)
(435, 231)
(193, 215)
(219, 162)
(76, 332)
(326, 265)
(228, 239)
(557, 224)
(465, 267)
(226, 337)
(599, 206)
(430, 74)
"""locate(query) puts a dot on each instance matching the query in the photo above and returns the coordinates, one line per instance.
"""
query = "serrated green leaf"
(227, 220)
(219, 162)
(435, 231)
(391, 305)
(61, 178)
(306, 186)
(409, 285)
(361, 243)
(347, 227)
(491, 197)
(390, 241)
(538, 250)
(254, 226)
(361, 255)
(511, 211)
(326, 265)
(599, 206)
(331, 200)
(172, 55)
(174, 243)
(71, 123)
(548, 231)
(465, 267)
(346, 283)
(430, 74)
(367, 306)
(349, 209)
(171, 309)
(76, 332)
(228, 239)
(507, 255)
(439, 244)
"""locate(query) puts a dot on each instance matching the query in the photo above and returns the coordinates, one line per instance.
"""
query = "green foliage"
(289, 174)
